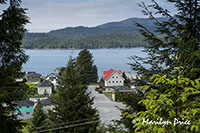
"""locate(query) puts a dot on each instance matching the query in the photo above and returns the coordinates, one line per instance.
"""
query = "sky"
(47, 15)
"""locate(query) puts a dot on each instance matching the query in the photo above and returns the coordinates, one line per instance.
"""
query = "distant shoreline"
(77, 49)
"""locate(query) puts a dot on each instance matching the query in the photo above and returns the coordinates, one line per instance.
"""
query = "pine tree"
(88, 71)
(39, 118)
(178, 36)
(127, 81)
(12, 21)
(94, 74)
(73, 104)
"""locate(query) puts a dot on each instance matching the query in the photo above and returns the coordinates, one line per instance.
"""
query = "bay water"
(46, 61)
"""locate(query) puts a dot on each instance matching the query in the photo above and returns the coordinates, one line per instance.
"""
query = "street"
(108, 110)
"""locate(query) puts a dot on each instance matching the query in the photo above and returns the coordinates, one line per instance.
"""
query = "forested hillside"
(121, 34)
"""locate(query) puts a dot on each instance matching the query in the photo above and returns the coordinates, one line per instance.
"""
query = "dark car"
(100, 91)
(97, 89)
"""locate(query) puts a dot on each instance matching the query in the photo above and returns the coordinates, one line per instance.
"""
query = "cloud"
(46, 15)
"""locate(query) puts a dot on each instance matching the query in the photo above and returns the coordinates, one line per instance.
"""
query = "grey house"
(24, 109)
(33, 77)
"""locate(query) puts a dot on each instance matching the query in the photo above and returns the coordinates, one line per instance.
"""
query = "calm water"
(46, 61)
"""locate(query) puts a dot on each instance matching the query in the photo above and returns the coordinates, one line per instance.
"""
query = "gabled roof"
(25, 102)
(107, 74)
(45, 102)
(51, 75)
(33, 75)
(44, 84)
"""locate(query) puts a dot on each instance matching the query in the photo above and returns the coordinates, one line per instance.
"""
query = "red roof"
(106, 74)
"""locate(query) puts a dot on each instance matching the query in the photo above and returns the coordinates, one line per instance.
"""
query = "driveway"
(107, 109)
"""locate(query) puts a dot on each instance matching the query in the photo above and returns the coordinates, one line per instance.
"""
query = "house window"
(27, 106)
(116, 76)
(120, 81)
(109, 81)
(27, 112)
(113, 77)
(116, 81)
(113, 81)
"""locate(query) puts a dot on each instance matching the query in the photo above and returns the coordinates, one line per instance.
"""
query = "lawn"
(108, 94)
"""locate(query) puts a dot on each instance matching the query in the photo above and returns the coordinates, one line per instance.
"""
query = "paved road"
(107, 109)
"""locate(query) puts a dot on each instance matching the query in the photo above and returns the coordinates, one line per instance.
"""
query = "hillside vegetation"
(123, 34)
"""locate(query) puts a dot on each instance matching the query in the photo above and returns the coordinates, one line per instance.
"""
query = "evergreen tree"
(87, 70)
(94, 74)
(12, 21)
(173, 43)
(73, 104)
(39, 118)
(127, 81)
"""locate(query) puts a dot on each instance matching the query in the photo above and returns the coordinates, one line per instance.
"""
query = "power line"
(69, 122)
(75, 125)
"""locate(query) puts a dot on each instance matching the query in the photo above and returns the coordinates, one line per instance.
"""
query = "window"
(109, 81)
(27, 112)
(113, 77)
(120, 81)
(113, 81)
(27, 106)
(116, 76)
(116, 81)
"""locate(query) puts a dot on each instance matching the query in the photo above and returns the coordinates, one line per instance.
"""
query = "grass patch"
(108, 94)
(25, 128)
(31, 84)
(37, 96)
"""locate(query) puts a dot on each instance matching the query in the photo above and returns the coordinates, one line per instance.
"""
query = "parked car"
(100, 91)
(97, 89)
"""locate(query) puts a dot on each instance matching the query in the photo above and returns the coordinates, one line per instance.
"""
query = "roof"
(123, 89)
(33, 75)
(44, 83)
(25, 102)
(107, 74)
(45, 102)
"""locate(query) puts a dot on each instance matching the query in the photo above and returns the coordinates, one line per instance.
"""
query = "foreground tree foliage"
(73, 106)
(88, 71)
(39, 118)
(12, 21)
(174, 43)
(170, 97)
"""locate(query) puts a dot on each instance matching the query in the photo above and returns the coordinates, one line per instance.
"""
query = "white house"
(44, 88)
(53, 79)
(46, 105)
(113, 78)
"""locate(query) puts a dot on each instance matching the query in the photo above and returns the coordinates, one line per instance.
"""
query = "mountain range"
(120, 34)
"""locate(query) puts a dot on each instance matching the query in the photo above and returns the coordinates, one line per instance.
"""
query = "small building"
(44, 88)
(121, 89)
(113, 78)
(33, 77)
(46, 105)
(25, 109)
(53, 79)
(130, 76)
